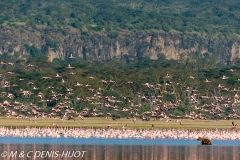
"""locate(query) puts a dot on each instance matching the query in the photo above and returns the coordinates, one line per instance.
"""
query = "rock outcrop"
(60, 42)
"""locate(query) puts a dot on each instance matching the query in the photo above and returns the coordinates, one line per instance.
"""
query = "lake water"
(116, 149)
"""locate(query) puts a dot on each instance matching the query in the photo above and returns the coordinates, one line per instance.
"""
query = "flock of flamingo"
(159, 108)
(119, 133)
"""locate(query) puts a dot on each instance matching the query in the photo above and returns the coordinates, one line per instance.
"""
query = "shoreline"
(97, 123)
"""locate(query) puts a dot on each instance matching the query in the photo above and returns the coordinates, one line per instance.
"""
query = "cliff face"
(59, 43)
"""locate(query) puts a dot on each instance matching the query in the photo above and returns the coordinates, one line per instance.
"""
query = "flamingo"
(234, 126)
(71, 56)
(57, 76)
(224, 77)
(207, 81)
(69, 66)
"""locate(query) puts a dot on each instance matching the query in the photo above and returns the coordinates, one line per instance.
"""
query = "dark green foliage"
(1, 20)
(232, 81)
(84, 33)
(34, 51)
(77, 24)
(52, 44)
(111, 93)
(97, 28)
(113, 35)
(96, 15)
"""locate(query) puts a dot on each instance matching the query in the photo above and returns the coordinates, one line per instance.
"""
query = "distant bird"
(57, 75)
(191, 77)
(232, 70)
(54, 124)
(219, 86)
(134, 119)
(78, 84)
(30, 83)
(71, 117)
(11, 73)
(66, 98)
(45, 78)
(129, 82)
(103, 81)
(207, 81)
(72, 73)
(69, 66)
(91, 77)
(69, 89)
(87, 85)
(179, 121)
(110, 126)
(168, 120)
(234, 126)
(234, 90)
(30, 65)
(71, 56)
(111, 81)
(63, 81)
(2, 63)
(35, 88)
(167, 76)
(80, 117)
(100, 89)
(50, 87)
(224, 77)
(10, 63)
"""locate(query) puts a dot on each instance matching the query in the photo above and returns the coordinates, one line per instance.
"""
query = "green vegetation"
(135, 83)
(103, 123)
(211, 17)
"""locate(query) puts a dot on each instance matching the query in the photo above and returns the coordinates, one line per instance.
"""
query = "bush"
(113, 35)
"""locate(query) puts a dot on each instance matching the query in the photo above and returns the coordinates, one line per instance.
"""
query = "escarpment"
(58, 43)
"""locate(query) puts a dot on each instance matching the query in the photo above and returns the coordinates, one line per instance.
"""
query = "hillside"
(212, 17)
(97, 29)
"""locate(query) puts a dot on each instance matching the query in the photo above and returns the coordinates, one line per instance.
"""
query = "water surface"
(109, 141)
(120, 149)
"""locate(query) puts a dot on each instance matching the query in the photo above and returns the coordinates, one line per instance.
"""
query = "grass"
(103, 123)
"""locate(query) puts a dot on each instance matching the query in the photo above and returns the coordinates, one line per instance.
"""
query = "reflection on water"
(123, 152)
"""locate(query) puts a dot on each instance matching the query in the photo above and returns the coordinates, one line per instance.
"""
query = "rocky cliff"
(60, 42)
